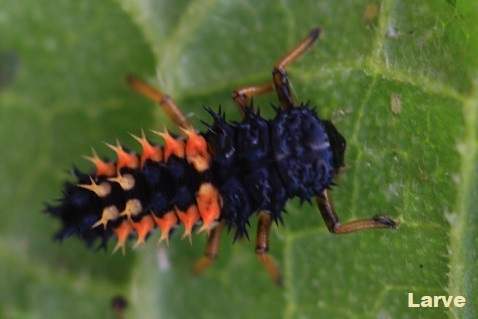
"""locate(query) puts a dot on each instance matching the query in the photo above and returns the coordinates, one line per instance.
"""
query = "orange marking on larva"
(102, 168)
(208, 202)
(125, 159)
(122, 231)
(126, 181)
(188, 218)
(133, 208)
(165, 223)
(172, 146)
(101, 190)
(196, 150)
(150, 152)
(109, 213)
(143, 227)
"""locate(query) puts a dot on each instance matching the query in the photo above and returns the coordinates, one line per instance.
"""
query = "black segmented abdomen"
(255, 165)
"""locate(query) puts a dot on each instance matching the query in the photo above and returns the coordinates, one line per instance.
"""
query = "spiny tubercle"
(206, 208)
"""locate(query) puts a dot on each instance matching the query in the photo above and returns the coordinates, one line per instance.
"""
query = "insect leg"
(262, 246)
(212, 248)
(165, 101)
(279, 75)
(327, 210)
(242, 95)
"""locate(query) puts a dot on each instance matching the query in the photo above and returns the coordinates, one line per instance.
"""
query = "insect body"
(214, 179)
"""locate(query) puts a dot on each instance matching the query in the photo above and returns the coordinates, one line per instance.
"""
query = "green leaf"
(400, 83)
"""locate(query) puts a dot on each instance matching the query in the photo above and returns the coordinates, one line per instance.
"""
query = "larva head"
(337, 145)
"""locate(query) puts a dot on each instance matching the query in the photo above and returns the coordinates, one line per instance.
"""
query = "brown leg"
(242, 96)
(212, 248)
(281, 81)
(166, 103)
(262, 247)
(326, 208)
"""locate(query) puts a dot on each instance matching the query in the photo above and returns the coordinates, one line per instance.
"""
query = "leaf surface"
(397, 77)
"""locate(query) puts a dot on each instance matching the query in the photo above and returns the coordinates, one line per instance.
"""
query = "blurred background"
(397, 77)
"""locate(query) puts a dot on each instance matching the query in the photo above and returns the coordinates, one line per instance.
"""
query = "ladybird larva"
(220, 177)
